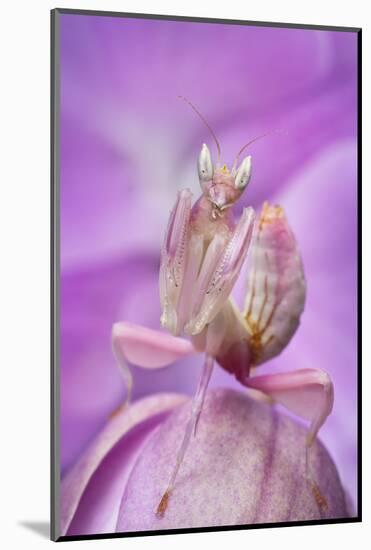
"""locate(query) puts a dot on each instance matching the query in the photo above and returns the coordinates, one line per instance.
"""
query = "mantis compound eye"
(205, 166)
(243, 174)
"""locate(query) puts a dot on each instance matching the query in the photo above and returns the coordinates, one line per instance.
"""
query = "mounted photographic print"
(205, 192)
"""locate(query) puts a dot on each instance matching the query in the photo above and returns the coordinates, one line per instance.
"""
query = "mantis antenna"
(252, 141)
(205, 122)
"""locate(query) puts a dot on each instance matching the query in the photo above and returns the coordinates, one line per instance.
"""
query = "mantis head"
(219, 185)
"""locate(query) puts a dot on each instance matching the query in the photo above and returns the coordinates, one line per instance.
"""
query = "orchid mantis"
(201, 258)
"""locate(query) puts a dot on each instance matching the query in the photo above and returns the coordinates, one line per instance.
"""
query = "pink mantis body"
(202, 255)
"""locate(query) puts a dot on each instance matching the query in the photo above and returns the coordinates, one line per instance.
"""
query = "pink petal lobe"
(306, 392)
(76, 480)
(148, 348)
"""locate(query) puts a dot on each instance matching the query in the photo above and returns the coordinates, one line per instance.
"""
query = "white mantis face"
(220, 186)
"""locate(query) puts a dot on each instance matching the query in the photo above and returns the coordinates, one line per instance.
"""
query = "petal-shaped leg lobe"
(276, 286)
(308, 393)
(147, 348)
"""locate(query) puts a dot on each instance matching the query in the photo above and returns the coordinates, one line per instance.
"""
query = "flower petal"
(91, 384)
(76, 480)
(246, 465)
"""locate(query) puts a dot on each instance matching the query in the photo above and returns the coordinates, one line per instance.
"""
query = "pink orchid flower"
(245, 466)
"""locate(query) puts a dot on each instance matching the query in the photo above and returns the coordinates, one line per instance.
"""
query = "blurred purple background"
(128, 144)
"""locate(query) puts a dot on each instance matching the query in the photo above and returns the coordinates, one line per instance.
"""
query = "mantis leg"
(214, 336)
(219, 271)
(173, 270)
(308, 393)
(190, 428)
(146, 348)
